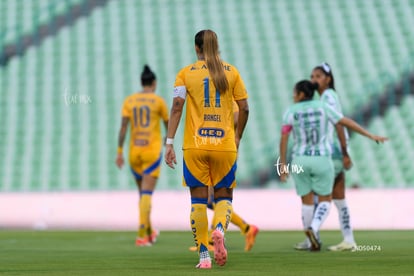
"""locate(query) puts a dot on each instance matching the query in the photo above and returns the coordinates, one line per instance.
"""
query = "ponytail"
(147, 76)
(210, 50)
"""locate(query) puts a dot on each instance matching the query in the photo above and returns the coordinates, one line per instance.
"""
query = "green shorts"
(316, 174)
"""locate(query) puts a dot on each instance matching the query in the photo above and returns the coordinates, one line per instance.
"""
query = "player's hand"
(379, 139)
(119, 160)
(283, 177)
(347, 162)
(170, 158)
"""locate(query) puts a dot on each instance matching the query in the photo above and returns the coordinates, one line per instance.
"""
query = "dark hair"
(206, 41)
(327, 70)
(147, 76)
(306, 87)
(199, 40)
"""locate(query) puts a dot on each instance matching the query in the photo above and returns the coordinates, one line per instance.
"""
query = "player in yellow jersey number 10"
(145, 110)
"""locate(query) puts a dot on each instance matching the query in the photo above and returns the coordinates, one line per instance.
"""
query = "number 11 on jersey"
(206, 82)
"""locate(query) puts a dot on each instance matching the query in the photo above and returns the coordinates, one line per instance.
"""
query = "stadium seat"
(273, 44)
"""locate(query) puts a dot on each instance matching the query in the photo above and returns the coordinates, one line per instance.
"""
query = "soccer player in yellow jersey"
(250, 231)
(210, 143)
(144, 110)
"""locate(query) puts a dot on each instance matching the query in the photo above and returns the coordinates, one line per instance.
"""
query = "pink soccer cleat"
(220, 251)
(141, 242)
(251, 237)
(205, 264)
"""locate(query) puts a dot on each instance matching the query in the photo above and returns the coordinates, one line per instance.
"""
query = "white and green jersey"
(330, 97)
(310, 121)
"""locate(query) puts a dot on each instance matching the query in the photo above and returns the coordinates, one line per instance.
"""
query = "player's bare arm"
(342, 140)
(166, 129)
(283, 150)
(242, 120)
(175, 116)
(122, 131)
(349, 123)
(121, 138)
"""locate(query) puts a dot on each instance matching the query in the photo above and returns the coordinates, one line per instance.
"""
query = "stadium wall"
(270, 209)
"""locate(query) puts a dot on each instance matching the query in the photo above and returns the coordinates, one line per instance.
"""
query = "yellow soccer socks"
(199, 227)
(223, 210)
(239, 222)
(144, 213)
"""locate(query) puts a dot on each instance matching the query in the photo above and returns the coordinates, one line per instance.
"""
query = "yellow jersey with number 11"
(209, 114)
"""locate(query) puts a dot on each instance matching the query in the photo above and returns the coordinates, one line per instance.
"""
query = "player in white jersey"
(308, 120)
(323, 75)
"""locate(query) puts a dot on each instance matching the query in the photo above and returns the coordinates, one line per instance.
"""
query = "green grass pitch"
(114, 253)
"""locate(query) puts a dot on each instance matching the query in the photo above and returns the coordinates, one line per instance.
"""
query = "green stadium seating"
(49, 145)
(391, 162)
(21, 17)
